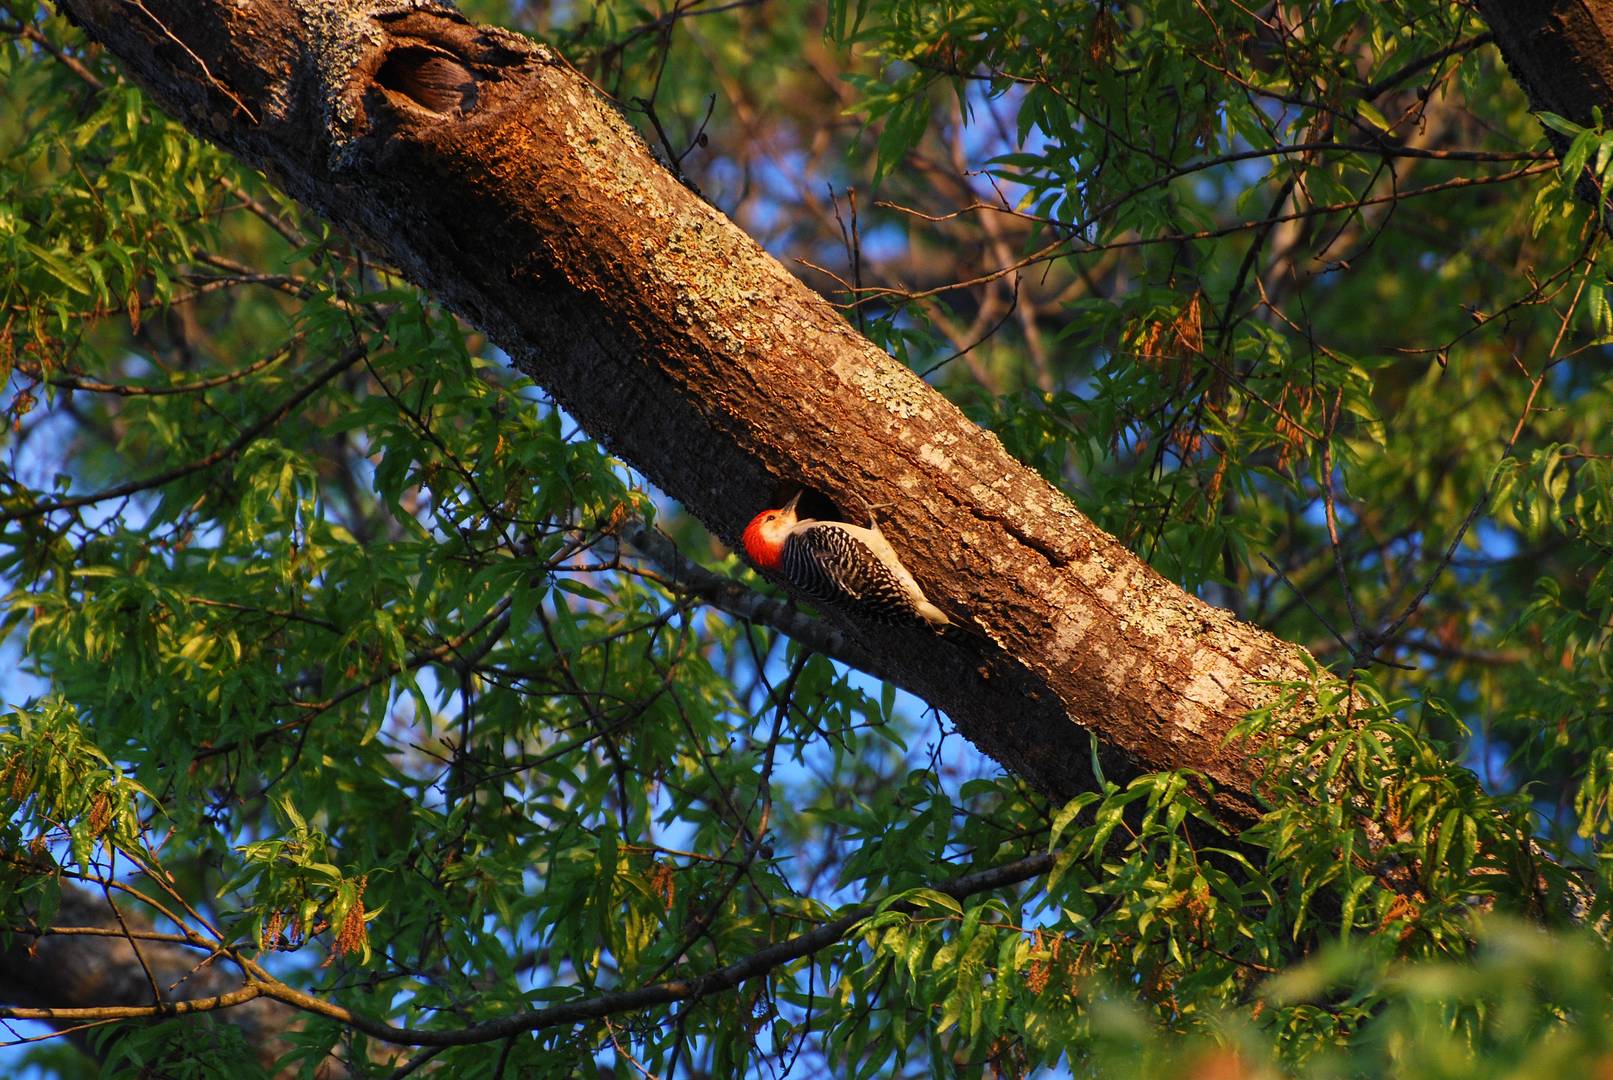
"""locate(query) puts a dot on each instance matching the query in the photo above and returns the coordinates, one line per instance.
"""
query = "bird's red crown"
(762, 543)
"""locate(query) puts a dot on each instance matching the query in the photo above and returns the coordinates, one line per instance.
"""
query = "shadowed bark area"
(1560, 54)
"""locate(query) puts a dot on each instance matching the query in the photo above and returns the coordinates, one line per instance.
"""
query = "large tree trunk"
(495, 176)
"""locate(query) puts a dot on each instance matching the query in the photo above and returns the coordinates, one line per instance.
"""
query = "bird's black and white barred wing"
(829, 563)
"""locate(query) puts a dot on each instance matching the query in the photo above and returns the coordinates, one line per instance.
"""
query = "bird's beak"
(789, 507)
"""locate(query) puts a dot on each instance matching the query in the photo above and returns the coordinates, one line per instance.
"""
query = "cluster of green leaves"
(1336, 936)
(62, 791)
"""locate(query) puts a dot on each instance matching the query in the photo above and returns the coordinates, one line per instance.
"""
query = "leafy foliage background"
(324, 641)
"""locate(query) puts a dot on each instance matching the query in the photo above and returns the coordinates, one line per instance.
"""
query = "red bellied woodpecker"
(842, 564)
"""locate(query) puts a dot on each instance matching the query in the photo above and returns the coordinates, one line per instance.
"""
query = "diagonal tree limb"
(492, 174)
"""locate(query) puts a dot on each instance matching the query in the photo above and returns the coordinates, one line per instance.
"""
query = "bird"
(852, 567)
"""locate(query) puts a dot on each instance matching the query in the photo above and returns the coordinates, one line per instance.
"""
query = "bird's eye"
(772, 517)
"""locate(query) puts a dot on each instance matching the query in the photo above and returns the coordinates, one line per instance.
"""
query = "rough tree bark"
(1560, 51)
(493, 175)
